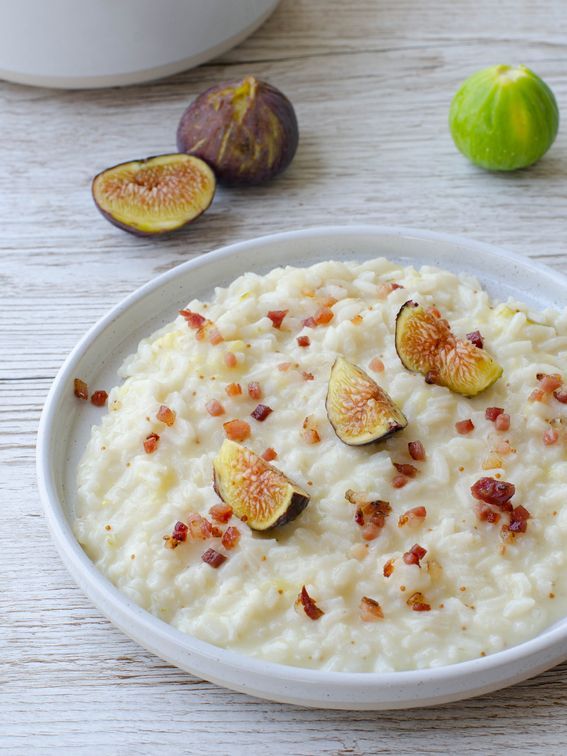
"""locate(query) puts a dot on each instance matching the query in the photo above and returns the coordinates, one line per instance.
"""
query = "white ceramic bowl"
(96, 43)
(65, 426)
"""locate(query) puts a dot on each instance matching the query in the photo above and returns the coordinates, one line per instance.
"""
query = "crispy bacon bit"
(214, 408)
(389, 568)
(492, 491)
(199, 527)
(178, 535)
(307, 376)
(311, 435)
(99, 398)
(309, 606)
(80, 389)
(475, 338)
(537, 395)
(502, 422)
(464, 426)
(549, 383)
(357, 320)
(519, 517)
(180, 531)
(165, 415)
(323, 316)
(485, 513)
(416, 450)
(412, 516)
(261, 412)
(491, 413)
(417, 602)
(277, 316)
(285, 366)
(216, 532)
(370, 514)
(550, 436)
(310, 432)
(213, 558)
(309, 323)
(254, 390)
(215, 336)
(221, 512)
(237, 430)
(370, 610)
(234, 389)
(399, 481)
(405, 469)
(151, 443)
(303, 341)
(376, 365)
(193, 319)
(270, 454)
(230, 537)
(230, 360)
(414, 555)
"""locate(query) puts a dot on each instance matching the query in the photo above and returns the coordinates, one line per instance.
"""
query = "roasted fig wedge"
(426, 344)
(156, 195)
(358, 409)
(258, 493)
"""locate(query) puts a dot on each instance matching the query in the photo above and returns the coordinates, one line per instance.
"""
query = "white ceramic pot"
(100, 43)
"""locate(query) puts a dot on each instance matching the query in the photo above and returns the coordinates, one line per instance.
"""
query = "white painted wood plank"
(371, 82)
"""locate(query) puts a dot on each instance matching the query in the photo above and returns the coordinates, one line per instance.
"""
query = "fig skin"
(504, 118)
(443, 359)
(125, 194)
(389, 420)
(293, 499)
(245, 130)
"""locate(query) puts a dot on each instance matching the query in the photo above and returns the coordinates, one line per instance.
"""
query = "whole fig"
(245, 130)
(504, 118)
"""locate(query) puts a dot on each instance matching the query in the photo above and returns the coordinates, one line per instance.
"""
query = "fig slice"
(425, 344)
(259, 494)
(156, 195)
(358, 409)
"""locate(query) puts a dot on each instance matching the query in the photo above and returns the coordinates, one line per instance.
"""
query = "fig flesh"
(156, 195)
(245, 130)
(426, 344)
(259, 494)
(358, 409)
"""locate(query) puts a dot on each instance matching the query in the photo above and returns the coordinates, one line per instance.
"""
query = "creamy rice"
(485, 595)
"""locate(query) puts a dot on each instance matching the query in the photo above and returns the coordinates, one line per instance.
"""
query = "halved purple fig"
(156, 195)
(426, 345)
(358, 409)
(259, 494)
(245, 130)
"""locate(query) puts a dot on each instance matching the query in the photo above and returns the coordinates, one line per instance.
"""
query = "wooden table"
(372, 81)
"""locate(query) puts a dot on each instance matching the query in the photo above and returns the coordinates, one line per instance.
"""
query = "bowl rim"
(114, 604)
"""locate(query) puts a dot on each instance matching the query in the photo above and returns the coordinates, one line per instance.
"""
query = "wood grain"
(371, 82)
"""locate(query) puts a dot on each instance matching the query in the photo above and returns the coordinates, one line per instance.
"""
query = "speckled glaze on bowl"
(65, 426)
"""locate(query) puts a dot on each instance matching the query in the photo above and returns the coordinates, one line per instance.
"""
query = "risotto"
(442, 540)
